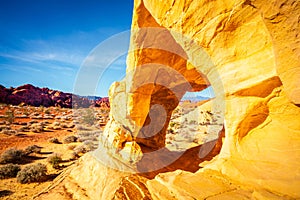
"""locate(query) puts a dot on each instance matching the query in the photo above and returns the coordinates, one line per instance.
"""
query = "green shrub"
(9, 171)
(32, 173)
(70, 139)
(12, 156)
(54, 160)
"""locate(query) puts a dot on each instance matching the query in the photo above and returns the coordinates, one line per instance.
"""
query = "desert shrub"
(193, 122)
(90, 145)
(64, 125)
(88, 117)
(81, 128)
(47, 111)
(54, 160)
(33, 149)
(9, 171)
(22, 123)
(23, 129)
(71, 125)
(9, 132)
(70, 139)
(4, 127)
(32, 122)
(37, 128)
(54, 140)
(10, 116)
(172, 124)
(32, 173)
(56, 123)
(81, 149)
(56, 127)
(85, 147)
(12, 156)
(88, 135)
(72, 147)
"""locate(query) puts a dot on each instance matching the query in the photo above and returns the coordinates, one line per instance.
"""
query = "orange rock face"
(248, 51)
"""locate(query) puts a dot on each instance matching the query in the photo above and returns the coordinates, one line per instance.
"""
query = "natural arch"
(249, 53)
(232, 49)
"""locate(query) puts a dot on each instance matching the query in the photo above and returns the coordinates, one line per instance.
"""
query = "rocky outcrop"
(248, 51)
(35, 96)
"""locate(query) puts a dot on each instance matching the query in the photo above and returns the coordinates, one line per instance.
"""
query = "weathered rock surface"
(248, 51)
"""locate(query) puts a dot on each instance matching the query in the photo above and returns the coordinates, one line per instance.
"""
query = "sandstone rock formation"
(35, 96)
(248, 51)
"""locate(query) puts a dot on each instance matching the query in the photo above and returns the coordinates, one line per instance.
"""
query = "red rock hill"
(35, 96)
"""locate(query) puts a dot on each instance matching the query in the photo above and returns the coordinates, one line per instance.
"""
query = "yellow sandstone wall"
(249, 52)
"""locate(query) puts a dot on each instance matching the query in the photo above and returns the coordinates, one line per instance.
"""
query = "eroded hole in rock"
(194, 135)
(194, 121)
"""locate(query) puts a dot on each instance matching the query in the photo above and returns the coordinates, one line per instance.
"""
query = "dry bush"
(74, 156)
(82, 128)
(72, 146)
(54, 140)
(87, 146)
(23, 129)
(56, 123)
(32, 122)
(89, 117)
(54, 160)
(37, 128)
(32, 173)
(88, 135)
(70, 139)
(33, 149)
(56, 127)
(10, 116)
(12, 156)
(4, 128)
(9, 132)
(71, 125)
(64, 125)
(9, 171)
(80, 149)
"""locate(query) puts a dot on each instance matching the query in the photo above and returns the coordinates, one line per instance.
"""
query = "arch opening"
(193, 122)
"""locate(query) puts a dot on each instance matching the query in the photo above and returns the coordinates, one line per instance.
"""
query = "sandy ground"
(10, 189)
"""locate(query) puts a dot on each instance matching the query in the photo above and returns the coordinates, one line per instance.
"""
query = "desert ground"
(55, 137)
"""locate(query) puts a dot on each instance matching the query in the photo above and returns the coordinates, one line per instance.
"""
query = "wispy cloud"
(59, 60)
(26, 69)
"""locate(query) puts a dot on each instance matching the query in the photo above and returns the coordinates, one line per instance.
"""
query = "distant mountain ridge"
(31, 95)
(194, 98)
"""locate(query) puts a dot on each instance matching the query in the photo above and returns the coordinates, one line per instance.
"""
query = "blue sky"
(46, 42)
